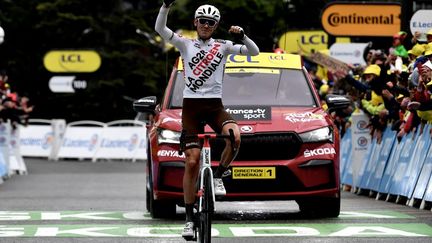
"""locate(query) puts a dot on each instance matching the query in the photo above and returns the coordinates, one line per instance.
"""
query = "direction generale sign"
(359, 19)
(72, 61)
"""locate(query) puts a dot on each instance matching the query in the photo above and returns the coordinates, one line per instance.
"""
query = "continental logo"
(336, 19)
(72, 61)
(351, 19)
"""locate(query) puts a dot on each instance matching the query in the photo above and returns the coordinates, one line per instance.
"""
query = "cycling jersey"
(203, 60)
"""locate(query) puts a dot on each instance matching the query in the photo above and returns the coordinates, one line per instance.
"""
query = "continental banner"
(360, 19)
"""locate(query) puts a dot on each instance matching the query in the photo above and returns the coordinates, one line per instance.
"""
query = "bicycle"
(205, 187)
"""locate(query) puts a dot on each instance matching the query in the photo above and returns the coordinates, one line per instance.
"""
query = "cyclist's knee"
(192, 157)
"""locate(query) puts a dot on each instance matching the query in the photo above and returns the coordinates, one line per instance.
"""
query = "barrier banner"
(122, 143)
(415, 165)
(424, 178)
(4, 149)
(401, 165)
(369, 163)
(347, 178)
(16, 161)
(384, 186)
(345, 152)
(80, 142)
(58, 127)
(387, 144)
(427, 168)
(36, 140)
(360, 143)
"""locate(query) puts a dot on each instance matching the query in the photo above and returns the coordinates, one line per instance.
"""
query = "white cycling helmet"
(208, 11)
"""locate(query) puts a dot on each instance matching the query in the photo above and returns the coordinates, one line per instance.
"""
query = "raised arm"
(249, 47)
(160, 26)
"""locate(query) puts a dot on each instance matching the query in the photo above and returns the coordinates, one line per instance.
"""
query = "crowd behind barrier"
(386, 133)
(394, 87)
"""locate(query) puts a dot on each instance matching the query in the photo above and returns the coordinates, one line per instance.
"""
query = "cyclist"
(204, 61)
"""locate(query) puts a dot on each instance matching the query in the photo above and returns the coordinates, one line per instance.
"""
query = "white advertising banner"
(351, 53)
(361, 139)
(16, 161)
(80, 142)
(4, 149)
(421, 21)
(58, 127)
(36, 140)
(122, 143)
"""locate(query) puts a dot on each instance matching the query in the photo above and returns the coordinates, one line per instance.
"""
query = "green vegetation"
(133, 64)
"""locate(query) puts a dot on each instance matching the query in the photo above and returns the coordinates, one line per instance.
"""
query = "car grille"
(260, 147)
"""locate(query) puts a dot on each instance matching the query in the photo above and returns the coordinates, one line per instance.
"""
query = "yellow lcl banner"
(351, 19)
(263, 60)
(303, 41)
(71, 61)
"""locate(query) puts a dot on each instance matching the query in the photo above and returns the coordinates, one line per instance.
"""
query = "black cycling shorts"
(200, 111)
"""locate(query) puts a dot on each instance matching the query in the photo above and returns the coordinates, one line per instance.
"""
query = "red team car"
(289, 149)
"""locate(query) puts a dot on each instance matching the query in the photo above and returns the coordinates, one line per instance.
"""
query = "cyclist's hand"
(237, 32)
(168, 3)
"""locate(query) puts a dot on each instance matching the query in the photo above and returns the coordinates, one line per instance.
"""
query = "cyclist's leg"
(191, 174)
(228, 154)
(192, 125)
(222, 122)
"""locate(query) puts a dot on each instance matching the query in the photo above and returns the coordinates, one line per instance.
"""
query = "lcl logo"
(71, 58)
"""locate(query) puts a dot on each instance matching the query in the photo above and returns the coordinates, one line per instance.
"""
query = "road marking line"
(221, 230)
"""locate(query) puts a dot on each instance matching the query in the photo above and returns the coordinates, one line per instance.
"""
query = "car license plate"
(254, 172)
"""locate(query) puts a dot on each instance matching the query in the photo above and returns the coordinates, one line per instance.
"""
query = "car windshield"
(253, 86)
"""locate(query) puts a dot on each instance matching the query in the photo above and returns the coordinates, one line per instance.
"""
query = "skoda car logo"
(246, 129)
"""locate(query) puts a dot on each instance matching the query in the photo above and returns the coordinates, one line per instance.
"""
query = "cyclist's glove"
(168, 2)
(240, 35)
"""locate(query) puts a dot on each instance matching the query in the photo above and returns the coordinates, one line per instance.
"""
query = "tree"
(133, 65)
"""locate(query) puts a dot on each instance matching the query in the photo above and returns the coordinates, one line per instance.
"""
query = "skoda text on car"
(289, 148)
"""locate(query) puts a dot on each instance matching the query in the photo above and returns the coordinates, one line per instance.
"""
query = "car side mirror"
(337, 102)
(145, 105)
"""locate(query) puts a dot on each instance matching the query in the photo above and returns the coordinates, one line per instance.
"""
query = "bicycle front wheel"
(207, 209)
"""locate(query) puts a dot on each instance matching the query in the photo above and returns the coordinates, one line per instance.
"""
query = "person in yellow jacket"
(378, 101)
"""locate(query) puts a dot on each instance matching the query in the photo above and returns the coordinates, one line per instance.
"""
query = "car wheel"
(147, 197)
(320, 207)
(158, 208)
(161, 208)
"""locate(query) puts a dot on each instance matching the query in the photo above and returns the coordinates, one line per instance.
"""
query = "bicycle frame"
(205, 164)
(205, 174)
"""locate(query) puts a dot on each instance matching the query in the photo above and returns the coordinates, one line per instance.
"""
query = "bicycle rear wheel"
(206, 214)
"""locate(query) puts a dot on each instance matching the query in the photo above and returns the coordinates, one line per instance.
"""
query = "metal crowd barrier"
(393, 171)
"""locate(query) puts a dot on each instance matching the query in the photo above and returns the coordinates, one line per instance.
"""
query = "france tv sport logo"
(362, 141)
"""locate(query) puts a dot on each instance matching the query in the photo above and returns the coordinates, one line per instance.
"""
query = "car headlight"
(318, 135)
(168, 136)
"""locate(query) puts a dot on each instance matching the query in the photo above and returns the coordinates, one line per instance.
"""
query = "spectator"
(13, 108)
(398, 49)
(416, 51)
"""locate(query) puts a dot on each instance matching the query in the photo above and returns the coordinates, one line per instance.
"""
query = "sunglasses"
(209, 22)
